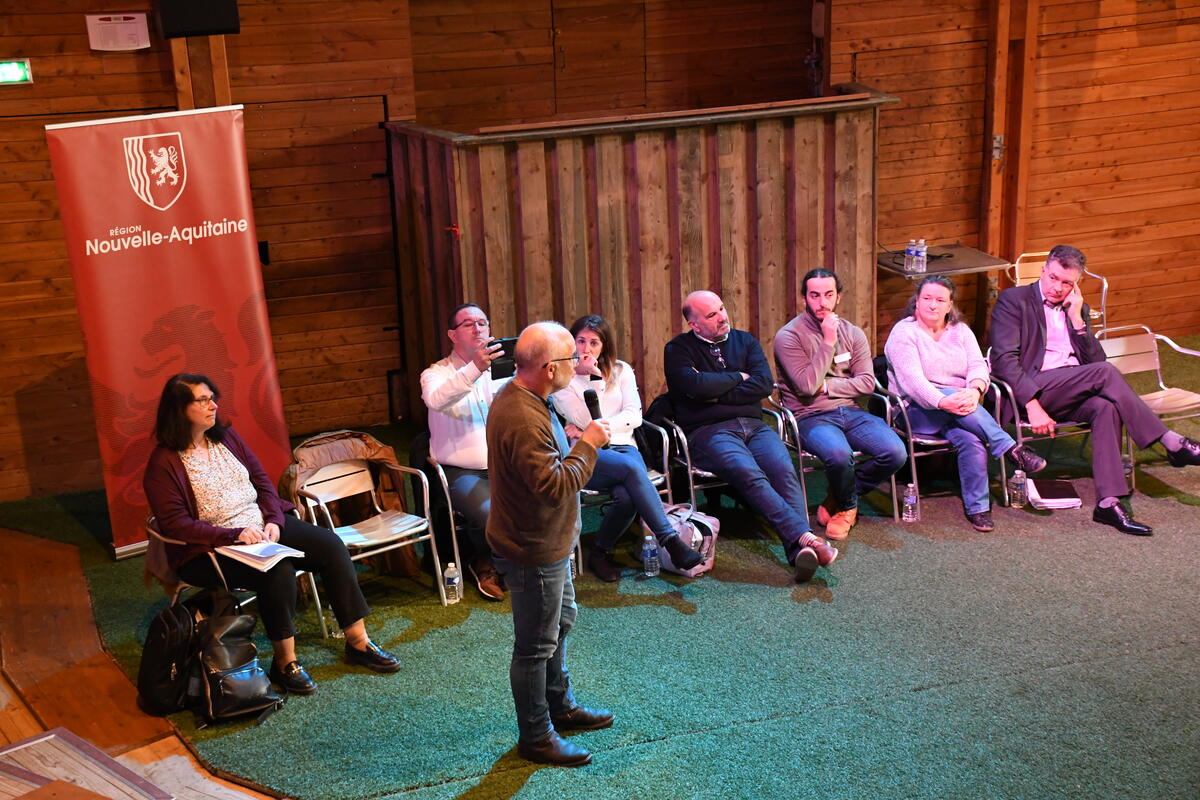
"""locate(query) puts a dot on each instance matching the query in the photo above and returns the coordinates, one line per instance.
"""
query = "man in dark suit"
(1043, 346)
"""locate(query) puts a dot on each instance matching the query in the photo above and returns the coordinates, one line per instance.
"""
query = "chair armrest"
(417, 475)
(1183, 350)
(666, 443)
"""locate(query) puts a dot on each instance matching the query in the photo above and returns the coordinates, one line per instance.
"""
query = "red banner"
(160, 232)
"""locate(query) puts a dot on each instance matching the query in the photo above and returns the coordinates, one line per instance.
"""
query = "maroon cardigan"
(174, 504)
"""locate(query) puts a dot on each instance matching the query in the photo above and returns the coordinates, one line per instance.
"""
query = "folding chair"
(156, 563)
(1137, 353)
(381, 532)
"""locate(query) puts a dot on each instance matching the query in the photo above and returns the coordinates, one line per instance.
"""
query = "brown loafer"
(582, 719)
(554, 750)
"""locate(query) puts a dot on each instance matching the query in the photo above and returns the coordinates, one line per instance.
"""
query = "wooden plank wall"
(1114, 164)
(626, 223)
(1115, 168)
(317, 79)
(492, 62)
(931, 56)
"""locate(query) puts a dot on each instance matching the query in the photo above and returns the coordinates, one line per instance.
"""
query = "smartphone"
(503, 365)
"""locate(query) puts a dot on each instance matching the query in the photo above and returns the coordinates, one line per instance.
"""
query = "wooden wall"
(1112, 161)
(626, 219)
(491, 62)
(318, 80)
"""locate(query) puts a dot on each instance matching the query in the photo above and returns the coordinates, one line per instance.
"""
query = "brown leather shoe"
(487, 580)
(554, 750)
(582, 719)
(601, 564)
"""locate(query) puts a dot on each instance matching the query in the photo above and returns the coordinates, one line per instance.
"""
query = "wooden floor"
(54, 673)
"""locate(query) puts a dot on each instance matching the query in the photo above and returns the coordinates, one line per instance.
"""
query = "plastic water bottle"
(910, 255)
(650, 564)
(453, 580)
(574, 566)
(1018, 493)
(921, 262)
(910, 513)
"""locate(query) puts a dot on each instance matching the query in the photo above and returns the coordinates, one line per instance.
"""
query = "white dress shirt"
(458, 395)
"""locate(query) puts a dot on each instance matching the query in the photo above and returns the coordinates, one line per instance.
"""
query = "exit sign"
(16, 71)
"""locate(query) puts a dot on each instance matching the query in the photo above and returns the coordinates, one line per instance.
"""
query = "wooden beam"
(1020, 137)
(184, 96)
(222, 94)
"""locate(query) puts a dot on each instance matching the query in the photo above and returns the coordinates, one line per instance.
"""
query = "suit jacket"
(1018, 339)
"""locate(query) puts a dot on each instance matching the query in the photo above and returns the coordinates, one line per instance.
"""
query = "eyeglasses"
(564, 358)
(205, 401)
(716, 353)
(478, 323)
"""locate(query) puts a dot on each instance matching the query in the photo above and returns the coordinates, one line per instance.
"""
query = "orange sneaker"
(839, 524)
(826, 510)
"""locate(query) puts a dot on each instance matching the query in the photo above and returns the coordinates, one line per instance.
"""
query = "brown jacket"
(534, 519)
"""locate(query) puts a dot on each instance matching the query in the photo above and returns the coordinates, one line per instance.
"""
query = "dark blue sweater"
(703, 391)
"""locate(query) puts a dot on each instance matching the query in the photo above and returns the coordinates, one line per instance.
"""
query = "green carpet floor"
(1052, 658)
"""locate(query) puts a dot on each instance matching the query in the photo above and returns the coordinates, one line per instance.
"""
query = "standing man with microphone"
(532, 528)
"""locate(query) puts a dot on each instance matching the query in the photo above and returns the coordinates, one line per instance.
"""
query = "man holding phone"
(458, 390)
(1043, 346)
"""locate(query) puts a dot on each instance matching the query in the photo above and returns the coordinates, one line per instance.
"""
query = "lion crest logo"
(156, 168)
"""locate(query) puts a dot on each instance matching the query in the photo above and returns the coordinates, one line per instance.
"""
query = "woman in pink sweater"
(935, 365)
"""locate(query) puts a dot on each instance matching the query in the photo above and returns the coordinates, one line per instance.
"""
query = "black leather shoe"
(293, 678)
(683, 555)
(1119, 518)
(554, 750)
(602, 566)
(374, 657)
(1025, 459)
(1188, 455)
(981, 521)
(582, 719)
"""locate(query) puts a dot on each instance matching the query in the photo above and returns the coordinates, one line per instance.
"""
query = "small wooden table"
(944, 259)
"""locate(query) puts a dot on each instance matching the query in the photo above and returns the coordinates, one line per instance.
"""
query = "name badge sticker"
(841, 358)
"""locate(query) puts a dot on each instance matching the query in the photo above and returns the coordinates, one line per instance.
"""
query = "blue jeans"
(621, 472)
(472, 497)
(834, 435)
(968, 435)
(754, 460)
(543, 612)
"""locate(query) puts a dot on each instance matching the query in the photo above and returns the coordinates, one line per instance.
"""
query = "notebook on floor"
(1050, 494)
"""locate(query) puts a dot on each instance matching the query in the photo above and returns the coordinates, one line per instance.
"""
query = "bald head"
(539, 354)
(706, 315)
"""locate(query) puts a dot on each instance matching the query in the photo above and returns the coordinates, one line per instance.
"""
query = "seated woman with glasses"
(619, 468)
(207, 489)
(935, 365)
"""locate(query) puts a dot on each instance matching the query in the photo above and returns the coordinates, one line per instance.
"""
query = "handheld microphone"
(592, 400)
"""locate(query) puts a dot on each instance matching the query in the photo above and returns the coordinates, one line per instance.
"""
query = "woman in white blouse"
(934, 363)
(619, 469)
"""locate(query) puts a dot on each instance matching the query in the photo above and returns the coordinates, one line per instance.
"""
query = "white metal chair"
(156, 563)
(1137, 353)
(384, 530)
(806, 462)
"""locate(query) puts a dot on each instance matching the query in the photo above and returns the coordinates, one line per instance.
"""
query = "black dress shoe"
(1119, 518)
(293, 678)
(1188, 454)
(683, 556)
(554, 750)
(981, 521)
(582, 719)
(602, 566)
(374, 657)
(1025, 459)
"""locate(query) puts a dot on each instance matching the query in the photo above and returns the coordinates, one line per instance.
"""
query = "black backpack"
(199, 654)
(168, 661)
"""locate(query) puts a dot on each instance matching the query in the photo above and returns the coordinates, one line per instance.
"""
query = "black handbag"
(232, 682)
